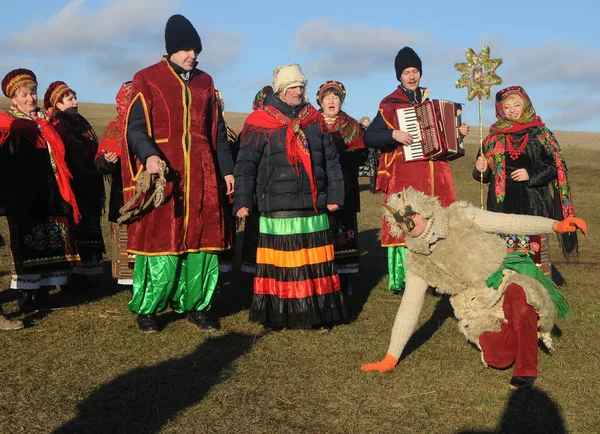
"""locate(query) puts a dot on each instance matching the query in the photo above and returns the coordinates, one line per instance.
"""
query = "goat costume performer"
(501, 300)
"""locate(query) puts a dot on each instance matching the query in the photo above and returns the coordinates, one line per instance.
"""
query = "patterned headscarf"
(331, 85)
(15, 79)
(528, 117)
(113, 135)
(260, 97)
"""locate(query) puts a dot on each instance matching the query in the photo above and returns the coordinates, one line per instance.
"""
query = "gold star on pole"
(478, 73)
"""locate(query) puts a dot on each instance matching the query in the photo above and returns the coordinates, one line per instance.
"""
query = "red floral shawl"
(267, 119)
(346, 133)
(494, 147)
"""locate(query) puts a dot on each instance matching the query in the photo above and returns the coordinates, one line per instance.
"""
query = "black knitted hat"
(407, 58)
(180, 34)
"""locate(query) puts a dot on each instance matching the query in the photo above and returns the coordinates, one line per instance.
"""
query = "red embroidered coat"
(182, 120)
(394, 174)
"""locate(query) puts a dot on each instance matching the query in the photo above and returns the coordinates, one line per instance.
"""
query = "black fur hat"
(407, 58)
(180, 34)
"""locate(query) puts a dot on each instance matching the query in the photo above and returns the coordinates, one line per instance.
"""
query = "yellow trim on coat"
(389, 157)
(186, 156)
(141, 97)
(187, 122)
(432, 177)
(394, 245)
(181, 252)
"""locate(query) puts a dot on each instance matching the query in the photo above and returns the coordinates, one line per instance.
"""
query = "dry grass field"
(84, 368)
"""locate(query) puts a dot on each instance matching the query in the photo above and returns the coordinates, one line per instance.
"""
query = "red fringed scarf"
(267, 119)
(346, 133)
(44, 135)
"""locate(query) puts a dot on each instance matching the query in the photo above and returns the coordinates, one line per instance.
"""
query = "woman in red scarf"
(348, 139)
(522, 159)
(38, 201)
(288, 163)
(108, 162)
(81, 145)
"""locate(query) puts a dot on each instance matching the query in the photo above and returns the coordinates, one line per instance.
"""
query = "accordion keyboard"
(407, 120)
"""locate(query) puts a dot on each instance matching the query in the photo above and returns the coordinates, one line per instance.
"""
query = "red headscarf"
(113, 134)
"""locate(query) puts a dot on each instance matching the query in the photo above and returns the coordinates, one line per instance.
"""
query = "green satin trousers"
(185, 282)
(396, 268)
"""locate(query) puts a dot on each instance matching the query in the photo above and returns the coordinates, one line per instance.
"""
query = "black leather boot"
(147, 324)
(202, 321)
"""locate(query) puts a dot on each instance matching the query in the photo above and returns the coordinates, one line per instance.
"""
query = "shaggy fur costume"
(456, 255)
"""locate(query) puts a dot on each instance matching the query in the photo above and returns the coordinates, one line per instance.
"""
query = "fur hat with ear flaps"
(412, 201)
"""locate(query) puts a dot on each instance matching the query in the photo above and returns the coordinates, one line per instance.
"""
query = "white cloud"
(114, 41)
(77, 29)
(570, 65)
(220, 49)
(351, 51)
(570, 113)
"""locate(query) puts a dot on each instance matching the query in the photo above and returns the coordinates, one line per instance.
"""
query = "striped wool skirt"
(296, 283)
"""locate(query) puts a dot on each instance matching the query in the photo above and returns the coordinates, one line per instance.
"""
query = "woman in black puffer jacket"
(288, 163)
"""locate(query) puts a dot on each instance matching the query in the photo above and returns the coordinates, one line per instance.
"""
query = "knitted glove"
(570, 224)
(384, 365)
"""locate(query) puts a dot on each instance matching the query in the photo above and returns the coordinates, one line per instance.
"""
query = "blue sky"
(95, 45)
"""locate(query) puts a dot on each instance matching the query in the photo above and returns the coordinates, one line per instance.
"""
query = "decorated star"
(478, 73)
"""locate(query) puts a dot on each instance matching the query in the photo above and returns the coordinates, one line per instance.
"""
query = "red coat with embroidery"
(394, 174)
(182, 120)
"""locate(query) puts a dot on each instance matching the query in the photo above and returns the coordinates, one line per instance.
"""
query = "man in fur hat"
(174, 120)
(501, 301)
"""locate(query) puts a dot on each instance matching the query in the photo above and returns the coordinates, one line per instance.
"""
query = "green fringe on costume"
(185, 282)
(522, 263)
(397, 268)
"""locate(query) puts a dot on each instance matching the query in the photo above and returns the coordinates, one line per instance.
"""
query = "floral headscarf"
(507, 125)
(260, 97)
(113, 135)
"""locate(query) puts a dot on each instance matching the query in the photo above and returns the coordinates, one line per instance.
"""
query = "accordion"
(434, 127)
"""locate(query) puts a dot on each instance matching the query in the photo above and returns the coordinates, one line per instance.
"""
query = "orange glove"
(570, 224)
(384, 365)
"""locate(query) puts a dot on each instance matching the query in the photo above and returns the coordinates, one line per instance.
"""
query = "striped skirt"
(296, 283)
